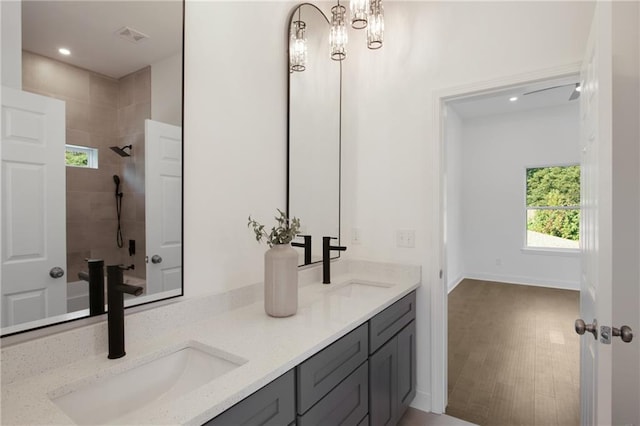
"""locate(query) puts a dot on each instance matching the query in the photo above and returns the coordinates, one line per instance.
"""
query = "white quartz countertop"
(270, 346)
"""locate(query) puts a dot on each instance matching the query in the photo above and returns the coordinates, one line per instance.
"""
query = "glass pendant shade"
(297, 47)
(375, 27)
(338, 34)
(359, 10)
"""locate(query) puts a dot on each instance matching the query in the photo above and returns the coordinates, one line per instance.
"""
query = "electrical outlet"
(355, 236)
(498, 262)
(411, 238)
(406, 238)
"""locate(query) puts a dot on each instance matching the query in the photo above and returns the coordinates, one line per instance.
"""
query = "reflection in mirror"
(92, 161)
(314, 133)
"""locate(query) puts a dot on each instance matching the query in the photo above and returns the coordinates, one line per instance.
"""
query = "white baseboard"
(422, 401)
(520, 280)
(453, 284)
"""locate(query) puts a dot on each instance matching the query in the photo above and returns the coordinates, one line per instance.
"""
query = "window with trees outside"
(553, 207)
(81, 156)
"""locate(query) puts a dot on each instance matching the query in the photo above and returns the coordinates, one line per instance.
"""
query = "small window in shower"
(81, 156)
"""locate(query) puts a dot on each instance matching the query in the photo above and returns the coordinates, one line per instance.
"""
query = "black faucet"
(307, 248)
(115, 316)
(95, 277)
(326, 257)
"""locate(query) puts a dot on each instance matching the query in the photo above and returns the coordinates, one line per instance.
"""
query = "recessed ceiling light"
(578, 88)
(513, 99)
(64, 51)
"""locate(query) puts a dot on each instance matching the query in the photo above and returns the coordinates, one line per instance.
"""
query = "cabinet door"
(383, 385)
(406, 367)
(323, 371)
(345, 405)
(273, 405)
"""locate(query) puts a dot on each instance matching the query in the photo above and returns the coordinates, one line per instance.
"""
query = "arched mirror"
(314, 131)
(92, 160)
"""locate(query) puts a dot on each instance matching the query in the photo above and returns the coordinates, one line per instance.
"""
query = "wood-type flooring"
(513, 355)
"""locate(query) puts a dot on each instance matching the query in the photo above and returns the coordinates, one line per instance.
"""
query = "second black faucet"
(327, 248)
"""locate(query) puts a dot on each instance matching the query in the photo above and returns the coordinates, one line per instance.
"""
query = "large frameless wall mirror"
(314, 130)
(91, 156)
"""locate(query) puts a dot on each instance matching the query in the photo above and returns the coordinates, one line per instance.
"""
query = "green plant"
(283, 233)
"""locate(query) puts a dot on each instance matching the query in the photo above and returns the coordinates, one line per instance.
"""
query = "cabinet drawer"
(274, 405)
(323, 371)
(345, 405)
(387, 323)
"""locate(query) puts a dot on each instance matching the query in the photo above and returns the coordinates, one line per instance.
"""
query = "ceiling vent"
(129, 34)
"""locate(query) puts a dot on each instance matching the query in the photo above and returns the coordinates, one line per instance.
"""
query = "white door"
(33, 207)
(610, 292)
(163, 206)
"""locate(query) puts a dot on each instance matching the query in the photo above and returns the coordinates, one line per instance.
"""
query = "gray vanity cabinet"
(392, 364)
(333, 385)
(273, 405)
(389, 322)
(346, 405)
(323, 371)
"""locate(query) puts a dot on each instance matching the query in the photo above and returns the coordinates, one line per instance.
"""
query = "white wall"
(166, 90)
(235, 125)
(234, 138)
(391, 173)
(11, 20)
(496, 151)
(454, 232)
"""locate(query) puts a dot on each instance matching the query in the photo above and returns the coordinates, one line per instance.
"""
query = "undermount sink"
(358, 288)
(114, 398)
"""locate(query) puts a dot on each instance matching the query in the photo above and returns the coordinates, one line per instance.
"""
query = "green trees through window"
(81, 156)
(75, 158)
(553, 206)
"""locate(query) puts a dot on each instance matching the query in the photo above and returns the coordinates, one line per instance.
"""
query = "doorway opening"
(511, 167)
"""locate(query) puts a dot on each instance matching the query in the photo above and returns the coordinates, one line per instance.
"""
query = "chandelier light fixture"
(375, 27)
(298, 46)
(359, 10)
(338, 35)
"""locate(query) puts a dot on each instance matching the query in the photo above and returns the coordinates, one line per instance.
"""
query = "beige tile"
(139, 200)
(103, 119)
(79, 137)
(142, 112)
(142, 86)
(77, 238)
(76, 263)
(103, 91)
(125, 91)
(103, 205)
(55, 77)
(77, 115)
(78, 205)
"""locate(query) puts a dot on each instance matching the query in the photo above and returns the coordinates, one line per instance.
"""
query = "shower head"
(121, 151)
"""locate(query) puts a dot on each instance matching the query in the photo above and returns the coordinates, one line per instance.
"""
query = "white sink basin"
(114, 398)
(358, 288)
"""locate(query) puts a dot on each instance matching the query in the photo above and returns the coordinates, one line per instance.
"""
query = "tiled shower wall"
(100, 112)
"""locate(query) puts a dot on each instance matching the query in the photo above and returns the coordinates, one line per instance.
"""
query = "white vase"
(281, 281)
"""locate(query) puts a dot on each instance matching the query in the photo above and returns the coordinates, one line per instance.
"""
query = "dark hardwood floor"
(513, 355)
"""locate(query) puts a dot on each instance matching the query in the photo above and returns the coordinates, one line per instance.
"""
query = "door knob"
(156, 259)
(581, 327)
(625, 333)
(56, 272)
